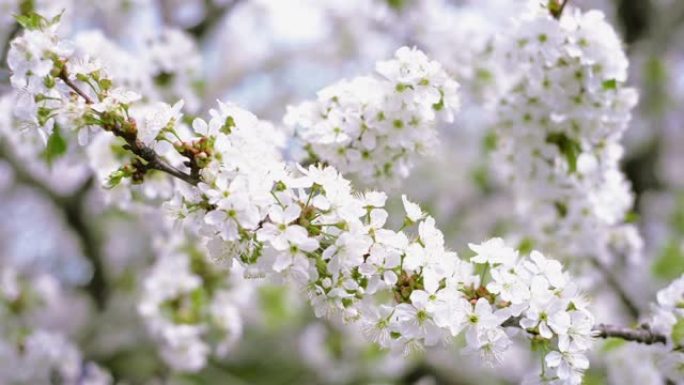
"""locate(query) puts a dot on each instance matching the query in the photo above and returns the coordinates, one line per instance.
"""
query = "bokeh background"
(265, 55)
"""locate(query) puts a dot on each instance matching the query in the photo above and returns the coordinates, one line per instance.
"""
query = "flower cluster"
(65, 88)
(34, 61)
(547, 304)
(191, 309)
(559, 131)
(307, 224)
(372, 127)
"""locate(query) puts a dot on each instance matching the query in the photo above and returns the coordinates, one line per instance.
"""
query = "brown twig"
(64, 75)
(154, 161)
(642, 335)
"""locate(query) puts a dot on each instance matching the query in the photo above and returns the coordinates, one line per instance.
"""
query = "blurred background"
(86, 258)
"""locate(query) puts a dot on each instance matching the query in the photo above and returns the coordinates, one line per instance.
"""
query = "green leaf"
(561, 209)
(439, 106)
(570, 148)
(397, 4)
(31, 20)
(199, 300)
(274, 305)
(526, 245)
(490, 141)
(57, 18)
(610, 84)
(164, 79)
(480, 176)
(632, 217)
(117, 176)
(678, 332)
(677, 219)
(539, 345)
(612, 344)
(228, 125)
(56, 146)
(670, 263)
(484, 75)
(655, 70)
(593, 378)
(114, 179)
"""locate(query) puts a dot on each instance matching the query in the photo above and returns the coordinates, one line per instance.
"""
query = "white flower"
(507, 283)
(415, 321)
(280, 228)
(480, 317)
(491, 344)
(579, 331)
(549, 318)
(493, 252)
(30, 57)
(375, 321)
(552, 270)
(156, 118)
(295, 254)
(379, 266)
(568, 364)
(413, 211)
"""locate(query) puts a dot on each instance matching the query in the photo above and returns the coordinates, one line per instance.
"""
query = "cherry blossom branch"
(642, 335)
(133, 144)
(155, 162)
(65, 78)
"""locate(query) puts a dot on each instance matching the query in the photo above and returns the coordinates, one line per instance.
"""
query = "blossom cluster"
(372, 127)
(313, 229)
(65, 92)
(191, 307)
(308, 225)
(559, 129)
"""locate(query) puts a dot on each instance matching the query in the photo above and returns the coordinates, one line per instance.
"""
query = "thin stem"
(65, 78)
(154, 161)
(643, 335)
